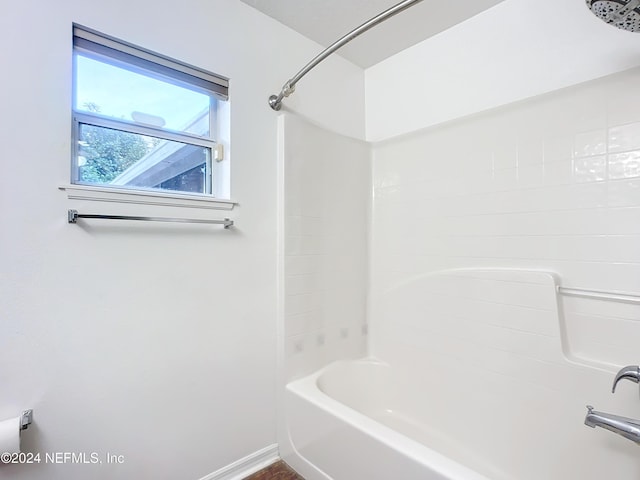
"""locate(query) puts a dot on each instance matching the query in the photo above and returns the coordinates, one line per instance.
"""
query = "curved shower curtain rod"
(275, 101)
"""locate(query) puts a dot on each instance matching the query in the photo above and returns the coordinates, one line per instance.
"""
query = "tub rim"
(307, 388)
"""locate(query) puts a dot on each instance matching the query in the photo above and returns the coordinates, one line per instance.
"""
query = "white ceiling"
(325, 21)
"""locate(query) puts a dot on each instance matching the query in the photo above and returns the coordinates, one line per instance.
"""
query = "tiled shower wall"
(552, 183)
(326, 208)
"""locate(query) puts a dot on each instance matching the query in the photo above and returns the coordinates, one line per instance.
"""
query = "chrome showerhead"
(624, 14)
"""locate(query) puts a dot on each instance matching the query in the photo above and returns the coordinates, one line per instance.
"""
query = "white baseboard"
(246, 466)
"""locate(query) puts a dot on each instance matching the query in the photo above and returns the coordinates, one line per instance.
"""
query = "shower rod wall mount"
(275, 101)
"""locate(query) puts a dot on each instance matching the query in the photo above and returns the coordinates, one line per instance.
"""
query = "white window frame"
(123, 54)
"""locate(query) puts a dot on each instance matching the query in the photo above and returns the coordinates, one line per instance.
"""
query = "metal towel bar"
(600, 295)
(73, 217)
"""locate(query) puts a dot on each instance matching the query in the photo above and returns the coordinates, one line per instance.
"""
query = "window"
(144, 121)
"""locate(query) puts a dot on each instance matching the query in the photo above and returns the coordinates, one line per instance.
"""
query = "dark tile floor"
(276, 471)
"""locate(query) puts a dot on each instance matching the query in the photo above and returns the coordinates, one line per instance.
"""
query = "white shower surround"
(550, 184)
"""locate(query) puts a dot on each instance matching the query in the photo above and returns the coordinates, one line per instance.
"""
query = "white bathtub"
(476, 385)
(342, 425)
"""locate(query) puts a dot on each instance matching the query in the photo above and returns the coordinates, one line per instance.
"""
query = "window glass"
(124, 159)
(112, 91)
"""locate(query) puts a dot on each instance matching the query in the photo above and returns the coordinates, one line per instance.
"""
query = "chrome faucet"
(627, 427)
(632, 372)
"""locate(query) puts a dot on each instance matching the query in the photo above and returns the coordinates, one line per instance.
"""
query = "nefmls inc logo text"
(72, 457)
(90, 458)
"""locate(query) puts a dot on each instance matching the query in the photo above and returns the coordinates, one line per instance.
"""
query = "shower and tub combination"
(403, 365)
(468, 377)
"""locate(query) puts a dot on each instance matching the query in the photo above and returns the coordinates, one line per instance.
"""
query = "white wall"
(151, 341)
(515, 50)
(548, 184)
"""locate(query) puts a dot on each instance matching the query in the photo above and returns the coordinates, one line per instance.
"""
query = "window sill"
(119, 195)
